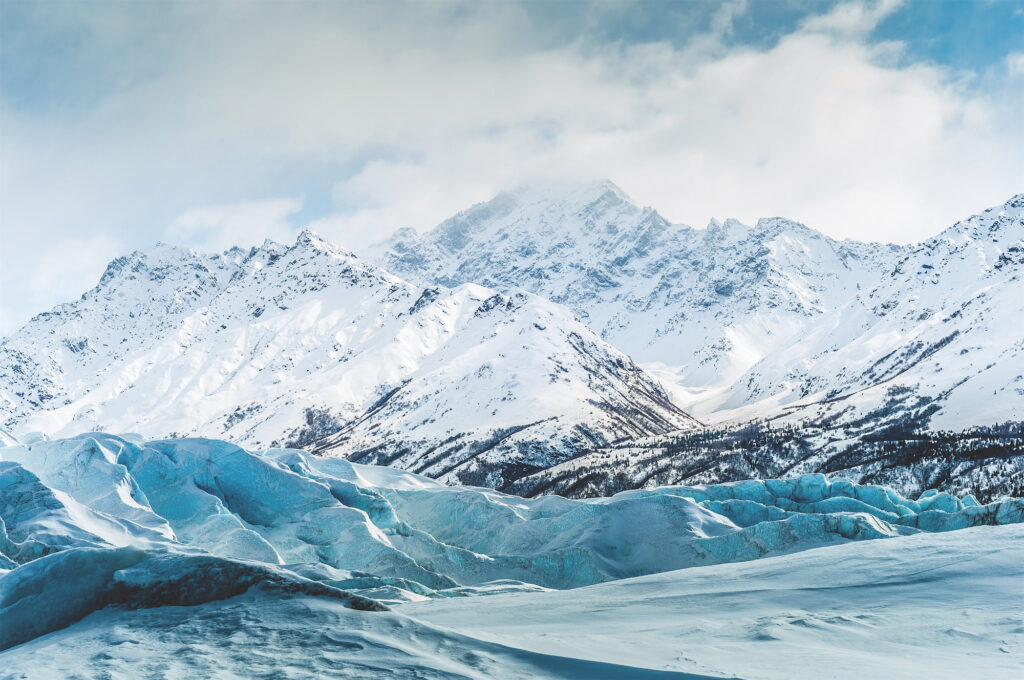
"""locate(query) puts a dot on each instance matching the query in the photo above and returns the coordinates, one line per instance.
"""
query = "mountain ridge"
(838, 344)
(288, 344)
(685, 300)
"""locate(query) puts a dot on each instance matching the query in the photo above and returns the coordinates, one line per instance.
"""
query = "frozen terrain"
(931, 605)
(895, 365)
(751, 322)
(939, 339)
(179, 558)
(907, 384)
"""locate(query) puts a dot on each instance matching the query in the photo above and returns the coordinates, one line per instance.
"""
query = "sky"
(210, 124)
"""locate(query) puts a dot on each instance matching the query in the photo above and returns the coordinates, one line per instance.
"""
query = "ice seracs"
(106, 540)
(285, 506)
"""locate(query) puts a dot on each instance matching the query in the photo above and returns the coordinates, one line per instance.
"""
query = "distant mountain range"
(487, 350)
(285, 345)
(697, 306)
(753, 321)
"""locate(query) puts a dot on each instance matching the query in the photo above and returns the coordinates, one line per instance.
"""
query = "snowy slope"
(753, 322)
(888, 364)
(274, 633)
(939, 340)
(700, 306)
(932, 605)
(196, 557)
(942, 606)
(294, 343)
(851, 346)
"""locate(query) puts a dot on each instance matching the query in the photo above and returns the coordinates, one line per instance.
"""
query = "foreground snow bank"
(268, 636)
(925, 606)
(52, 592)
(928, 605)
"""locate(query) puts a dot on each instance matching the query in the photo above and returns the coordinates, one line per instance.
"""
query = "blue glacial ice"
(129, 523)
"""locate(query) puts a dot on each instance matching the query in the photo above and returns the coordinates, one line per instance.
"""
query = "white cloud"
(413, 115)
(1015, 63)
(63, 270)
(852, 19)
(218, 227)
(821, 127)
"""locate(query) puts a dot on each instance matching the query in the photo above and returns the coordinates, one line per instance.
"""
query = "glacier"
(322, 479)
(102, 533)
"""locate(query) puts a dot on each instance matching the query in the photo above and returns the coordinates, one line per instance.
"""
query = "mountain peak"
(156, 256)
(993, 225)
(773, 226)
(664, 293)
(730, 229)
(311, 240)
(574, 193)
(1014, 204)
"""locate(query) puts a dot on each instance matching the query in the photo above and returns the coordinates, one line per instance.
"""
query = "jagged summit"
(935, 340)
(705, 304)
(540, 211)
(580, 193)
(773, 226)
(1001, 224)
(310, 239)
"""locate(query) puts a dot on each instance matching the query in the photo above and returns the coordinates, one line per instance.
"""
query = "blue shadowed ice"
(133, 523)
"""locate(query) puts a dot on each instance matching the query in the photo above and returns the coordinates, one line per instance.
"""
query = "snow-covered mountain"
(916, 382)
(289, 344)
(938, 340)
(887, 364)
(698, 307)
(845, 352)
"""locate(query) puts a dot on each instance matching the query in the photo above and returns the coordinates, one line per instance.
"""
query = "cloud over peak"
(383, 116)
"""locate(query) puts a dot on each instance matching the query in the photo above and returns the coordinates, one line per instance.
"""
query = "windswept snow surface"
(269, 636)
(199, 545)
(925, 606)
